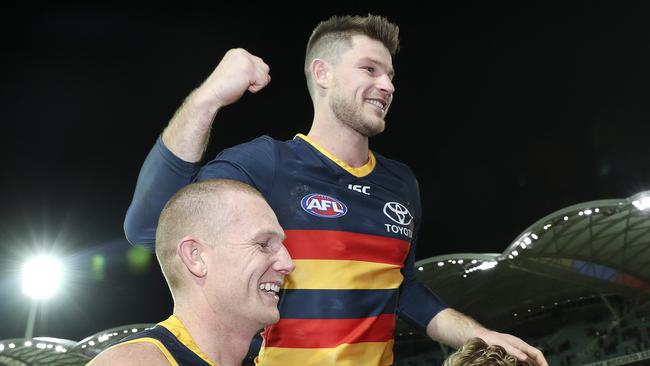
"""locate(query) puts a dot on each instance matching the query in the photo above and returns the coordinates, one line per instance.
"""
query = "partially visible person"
(476, 352)
(220, 248)
(350, 214)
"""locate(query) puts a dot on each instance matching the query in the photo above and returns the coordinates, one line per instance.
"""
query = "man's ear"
(320, 72)
(191, 253)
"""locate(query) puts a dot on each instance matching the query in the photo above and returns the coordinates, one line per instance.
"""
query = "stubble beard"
(352, 116)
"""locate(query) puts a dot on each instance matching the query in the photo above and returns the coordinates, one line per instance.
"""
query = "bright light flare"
(42, 277)
(643, 203)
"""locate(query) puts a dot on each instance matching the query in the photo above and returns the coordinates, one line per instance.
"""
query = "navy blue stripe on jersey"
(337, 304)
(183, 355)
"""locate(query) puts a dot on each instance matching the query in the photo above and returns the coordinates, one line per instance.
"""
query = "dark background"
(505, 113)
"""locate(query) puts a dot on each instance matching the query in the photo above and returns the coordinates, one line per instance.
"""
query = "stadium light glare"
(640, 200)
(642, 203)
(41, 277)
(487, 265)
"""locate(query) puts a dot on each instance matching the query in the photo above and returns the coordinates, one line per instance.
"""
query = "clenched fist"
(237, 72)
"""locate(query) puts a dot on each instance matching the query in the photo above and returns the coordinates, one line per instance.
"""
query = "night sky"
(504, 113)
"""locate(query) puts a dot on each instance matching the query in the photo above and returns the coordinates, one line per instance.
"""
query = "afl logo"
(323, 206)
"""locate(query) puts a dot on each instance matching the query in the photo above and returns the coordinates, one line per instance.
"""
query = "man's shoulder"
(392, 164)
(127, 354)
(264, 144)
(268, 140)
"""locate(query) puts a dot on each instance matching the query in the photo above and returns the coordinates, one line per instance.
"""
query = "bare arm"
(454, 328)
(189, 129)
(171, 163)
(135, 354)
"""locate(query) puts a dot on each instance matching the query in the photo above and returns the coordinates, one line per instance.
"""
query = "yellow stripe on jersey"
(316, 274)
(369, 353)
(177, 328)
(359, 172)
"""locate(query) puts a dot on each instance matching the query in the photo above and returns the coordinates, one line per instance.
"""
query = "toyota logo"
(398, 213)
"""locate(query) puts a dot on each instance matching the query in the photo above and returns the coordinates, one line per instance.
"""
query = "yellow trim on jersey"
(367, 353)
(325, 274)
(359, 172)
(176, 327)
(155, 342)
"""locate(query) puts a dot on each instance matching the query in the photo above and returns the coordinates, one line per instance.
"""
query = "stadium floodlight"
(41, 280)
(42, 277)
(642, 203)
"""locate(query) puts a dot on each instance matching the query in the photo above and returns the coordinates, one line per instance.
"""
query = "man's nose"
(283, 262)
(385, 84)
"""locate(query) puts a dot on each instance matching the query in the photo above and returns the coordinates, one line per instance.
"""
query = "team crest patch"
(323, 206)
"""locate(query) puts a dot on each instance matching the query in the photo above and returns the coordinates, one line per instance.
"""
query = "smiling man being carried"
(220, 248)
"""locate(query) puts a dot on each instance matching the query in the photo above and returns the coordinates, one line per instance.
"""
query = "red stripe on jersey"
(329, 244)
(329, 333)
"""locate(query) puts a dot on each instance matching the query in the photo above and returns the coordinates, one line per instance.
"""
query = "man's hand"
(237, 72)
(188, 132)
(455, 328)
(514, 346)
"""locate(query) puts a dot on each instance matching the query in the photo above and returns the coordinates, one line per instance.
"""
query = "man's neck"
(222, 341)
(345, 144)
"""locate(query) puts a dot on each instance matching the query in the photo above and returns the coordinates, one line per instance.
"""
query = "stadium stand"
(575, 284)
(42, 351)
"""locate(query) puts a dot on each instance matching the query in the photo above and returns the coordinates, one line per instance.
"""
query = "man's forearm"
(453, 328)
(188, 132)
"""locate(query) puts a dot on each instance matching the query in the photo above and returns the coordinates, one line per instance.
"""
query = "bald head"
(200, 210)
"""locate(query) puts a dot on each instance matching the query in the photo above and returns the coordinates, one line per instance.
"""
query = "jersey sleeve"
(252, 162)
(161, 175)
(417, 304)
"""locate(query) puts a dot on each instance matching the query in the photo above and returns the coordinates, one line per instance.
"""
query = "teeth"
(270, 287)
(377, 103)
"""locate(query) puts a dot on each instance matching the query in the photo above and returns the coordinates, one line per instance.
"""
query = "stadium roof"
(590, 250)
(43, 351)
(40, 351)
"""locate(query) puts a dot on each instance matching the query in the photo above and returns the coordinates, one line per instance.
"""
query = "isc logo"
(323, 206)
(359, 188)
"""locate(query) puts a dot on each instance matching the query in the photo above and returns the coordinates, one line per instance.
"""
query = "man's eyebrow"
(268, 233)
(389, 69)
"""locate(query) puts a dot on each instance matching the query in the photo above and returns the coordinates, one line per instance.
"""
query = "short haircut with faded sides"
(199, 209)
(478, 353)
(333, 36)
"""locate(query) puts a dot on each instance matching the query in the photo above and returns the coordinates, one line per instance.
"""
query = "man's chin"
(271, 319)
(374, 130)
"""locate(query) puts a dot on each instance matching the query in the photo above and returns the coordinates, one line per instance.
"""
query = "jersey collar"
(176, 327)
(359, 172)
